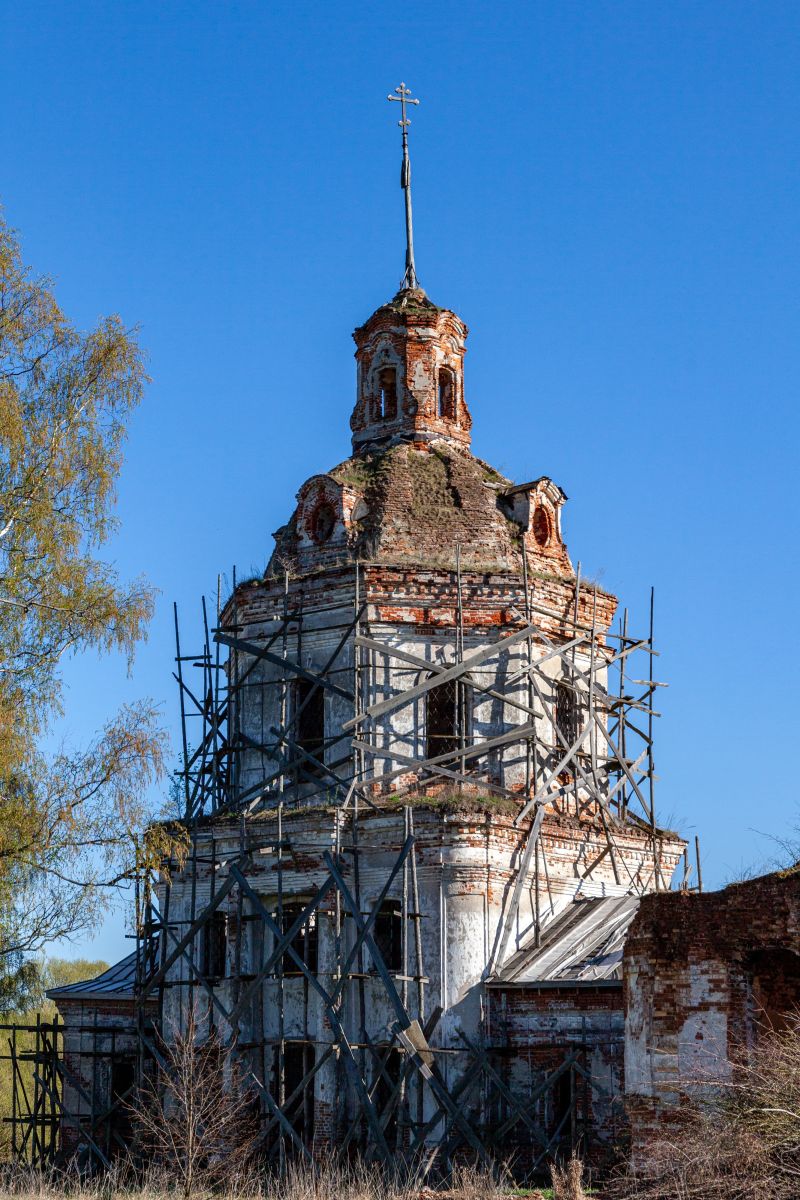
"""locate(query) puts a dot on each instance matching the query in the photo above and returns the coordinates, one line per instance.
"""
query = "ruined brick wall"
(538, 1028)
(702, 975)
(99, 1036)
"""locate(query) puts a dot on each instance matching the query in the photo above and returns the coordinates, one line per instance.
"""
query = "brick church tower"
(419, 797)
(413, 490)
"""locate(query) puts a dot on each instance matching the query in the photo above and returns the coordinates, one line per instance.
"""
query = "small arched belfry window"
(387, 394)
(446, 395)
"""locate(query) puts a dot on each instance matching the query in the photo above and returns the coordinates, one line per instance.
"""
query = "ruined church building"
(418, 787)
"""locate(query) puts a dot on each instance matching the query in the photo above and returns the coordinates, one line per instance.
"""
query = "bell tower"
(410, 387)
(410, 354)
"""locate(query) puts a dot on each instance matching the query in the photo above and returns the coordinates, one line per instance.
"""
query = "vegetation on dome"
(356, 473)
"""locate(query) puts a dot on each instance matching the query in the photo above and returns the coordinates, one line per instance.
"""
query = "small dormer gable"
(320, 515)
(536, 508)
(323, 528)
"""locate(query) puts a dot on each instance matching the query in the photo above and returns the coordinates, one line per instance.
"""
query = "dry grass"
(734, 1140)
(568, 1180)
(301, 1182)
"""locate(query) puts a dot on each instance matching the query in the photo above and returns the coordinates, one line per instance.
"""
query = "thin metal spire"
(403, 96)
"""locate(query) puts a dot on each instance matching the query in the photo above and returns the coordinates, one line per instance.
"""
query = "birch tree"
(67, 819)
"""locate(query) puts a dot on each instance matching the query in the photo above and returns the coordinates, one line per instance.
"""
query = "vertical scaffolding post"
(651, 770)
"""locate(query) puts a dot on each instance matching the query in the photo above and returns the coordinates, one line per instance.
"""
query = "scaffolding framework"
(595, 756)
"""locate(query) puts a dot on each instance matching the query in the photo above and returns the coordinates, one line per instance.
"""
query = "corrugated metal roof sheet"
(115, 983)
(582, 944)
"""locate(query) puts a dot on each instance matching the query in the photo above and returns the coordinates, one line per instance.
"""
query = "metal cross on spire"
(403, 96)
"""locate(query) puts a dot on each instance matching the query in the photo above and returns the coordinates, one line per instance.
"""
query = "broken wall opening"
(773, 987)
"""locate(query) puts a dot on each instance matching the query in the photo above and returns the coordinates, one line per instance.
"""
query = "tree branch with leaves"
(71, 822)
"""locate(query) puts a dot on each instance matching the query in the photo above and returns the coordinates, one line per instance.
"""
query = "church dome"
(415, 503)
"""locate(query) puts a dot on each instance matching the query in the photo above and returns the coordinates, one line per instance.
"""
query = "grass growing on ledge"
(452, 802)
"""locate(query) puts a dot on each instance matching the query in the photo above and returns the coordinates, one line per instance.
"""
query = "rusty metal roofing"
(582, 945)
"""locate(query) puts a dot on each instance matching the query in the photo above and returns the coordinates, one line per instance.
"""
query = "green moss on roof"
(448, 802)
(413, 300)
(357, 473)
(432, 494)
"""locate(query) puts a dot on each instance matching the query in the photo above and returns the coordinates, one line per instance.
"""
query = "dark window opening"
(309, 729)
(304, 942)
(213, 946)
(298, 1060)
(446, 719)
(385, 1093)
(567, 713)
(446, 405)
(323, 522)
(773, 978)
(388, 934)
(562, 1102)
(123, 1075)
(387, 395)
(541, 526)
(123, 1078)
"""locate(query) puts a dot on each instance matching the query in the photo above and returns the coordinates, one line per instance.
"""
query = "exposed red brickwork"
(419, 348)
(703, 975)
(539, 1028)
(416, 596)
(416, 505)
(412, 491)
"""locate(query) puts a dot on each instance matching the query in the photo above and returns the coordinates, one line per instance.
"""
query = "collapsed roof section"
(583, 945)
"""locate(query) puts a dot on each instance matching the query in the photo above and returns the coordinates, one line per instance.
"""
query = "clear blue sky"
(607, 193)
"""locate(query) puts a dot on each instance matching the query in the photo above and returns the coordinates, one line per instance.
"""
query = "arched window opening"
(323, 522)
(387, 394)
(447, 719)
(567, 713)
(309, 723)
(541, 525)
(446, 404)
(389, 934)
